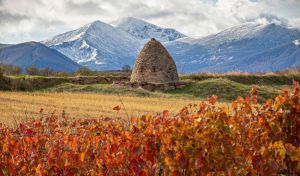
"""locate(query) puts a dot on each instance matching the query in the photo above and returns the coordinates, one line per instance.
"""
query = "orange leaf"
(27, 139)
(225, 110)
(132, 120)
(38, 170)
(5, 147)
(82, 155)
(12, 142)
(253, 91)
(34, 139)
(165, 113)
(213, 99)
(234, 105)
(269, 103)
(240, 99)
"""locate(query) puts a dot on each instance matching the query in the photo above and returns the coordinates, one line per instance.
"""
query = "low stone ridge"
(149, 86)
(98, 79)
(29, 84)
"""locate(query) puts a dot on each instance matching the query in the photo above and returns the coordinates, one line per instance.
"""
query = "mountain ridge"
(97, 45)
(222, 51)
(143, 30)
(102, 46)
(35, 53)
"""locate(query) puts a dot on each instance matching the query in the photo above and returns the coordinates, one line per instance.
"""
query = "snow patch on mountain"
(296, 42)
(244, 48)
(250, 47)
(97, 45)
(84, 45)
(144, 30)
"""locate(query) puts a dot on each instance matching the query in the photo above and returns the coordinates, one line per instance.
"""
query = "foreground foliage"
(202, 139)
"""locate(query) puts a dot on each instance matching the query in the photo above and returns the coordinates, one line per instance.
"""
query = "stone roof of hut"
(154, 65)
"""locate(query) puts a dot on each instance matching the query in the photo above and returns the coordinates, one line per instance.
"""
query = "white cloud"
(23, 20)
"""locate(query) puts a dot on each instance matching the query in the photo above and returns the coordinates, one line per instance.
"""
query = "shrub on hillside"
(62, 74)
(32, 70)
(85, 71)
(126, 68)
(46, 71)
(21, 85)
(10, 69)
(16, 70)
(203, 139)
(1, 72)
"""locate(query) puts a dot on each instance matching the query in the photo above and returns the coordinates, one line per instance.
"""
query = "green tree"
(1, 71)
(46, 71)
(85, 71)
(62, 74)
(32, 70)
(126, 68)
(15, 70)
(10, 69)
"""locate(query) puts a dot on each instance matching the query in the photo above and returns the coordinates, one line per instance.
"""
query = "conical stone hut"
(154, 65)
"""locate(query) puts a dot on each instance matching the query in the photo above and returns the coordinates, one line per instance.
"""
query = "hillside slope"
(34, 53)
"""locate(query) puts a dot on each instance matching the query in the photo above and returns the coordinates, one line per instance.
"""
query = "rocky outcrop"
(149, 86)
(98, 79)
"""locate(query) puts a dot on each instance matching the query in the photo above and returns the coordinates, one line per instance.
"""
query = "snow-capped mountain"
(97, 45)
(145, 31)
(34, 53)
(250, 47)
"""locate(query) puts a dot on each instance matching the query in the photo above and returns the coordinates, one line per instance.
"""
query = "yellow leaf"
(234, 105)
(225, 110)
(82, 155)
(66, 162)
(5, 147)
(38, 169)
(260, 121)
(98, 163)
(167, 161)
(279, 148)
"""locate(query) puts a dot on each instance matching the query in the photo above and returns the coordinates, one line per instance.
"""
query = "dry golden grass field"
(17, 106)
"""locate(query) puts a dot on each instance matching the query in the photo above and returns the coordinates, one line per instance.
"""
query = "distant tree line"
(33, 70)
(10, 69)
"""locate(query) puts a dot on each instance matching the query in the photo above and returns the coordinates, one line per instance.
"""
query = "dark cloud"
(274, 19)
(85, 8)
(11, 18)
(15, 19)
(155, 15)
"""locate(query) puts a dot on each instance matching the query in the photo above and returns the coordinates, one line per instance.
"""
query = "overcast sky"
(28, 20)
